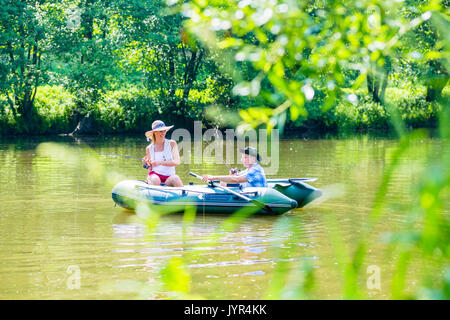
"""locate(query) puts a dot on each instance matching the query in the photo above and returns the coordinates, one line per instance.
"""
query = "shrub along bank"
(358, 112)
(132, 110)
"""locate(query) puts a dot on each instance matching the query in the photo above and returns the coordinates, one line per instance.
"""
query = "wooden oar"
(169, 189)
(237, 194)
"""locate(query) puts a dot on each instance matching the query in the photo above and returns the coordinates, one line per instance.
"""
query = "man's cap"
(251, 151)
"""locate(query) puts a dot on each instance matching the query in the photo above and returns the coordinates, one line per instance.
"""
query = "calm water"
(54, 217)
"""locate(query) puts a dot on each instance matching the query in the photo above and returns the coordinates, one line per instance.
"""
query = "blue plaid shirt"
(255, 176)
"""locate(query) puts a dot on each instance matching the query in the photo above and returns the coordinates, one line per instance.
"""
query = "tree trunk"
(190, 76)
(85, 126)
(384, 83)
(434, 91)
(437, 82)
(81, 113)
(372, 87)
(25, 109)
(172, 97)
(377, 81)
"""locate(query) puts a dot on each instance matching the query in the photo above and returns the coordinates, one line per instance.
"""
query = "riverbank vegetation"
(89, 67)
(127, 111)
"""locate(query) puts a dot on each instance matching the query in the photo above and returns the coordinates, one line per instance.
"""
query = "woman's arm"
(147, 159)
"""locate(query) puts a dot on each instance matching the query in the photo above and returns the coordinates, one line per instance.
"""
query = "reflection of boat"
(280, 196)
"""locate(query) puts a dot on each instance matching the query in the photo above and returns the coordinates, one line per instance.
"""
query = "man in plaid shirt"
(253, 176)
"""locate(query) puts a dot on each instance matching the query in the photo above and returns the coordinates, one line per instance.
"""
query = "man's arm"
(227, 179)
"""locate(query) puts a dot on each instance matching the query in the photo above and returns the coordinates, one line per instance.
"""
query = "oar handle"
(199, 177)
(195, 175)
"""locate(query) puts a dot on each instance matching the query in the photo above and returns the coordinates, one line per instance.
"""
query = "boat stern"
(301, 192)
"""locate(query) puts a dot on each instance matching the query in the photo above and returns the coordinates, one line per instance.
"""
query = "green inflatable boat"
(280, 196)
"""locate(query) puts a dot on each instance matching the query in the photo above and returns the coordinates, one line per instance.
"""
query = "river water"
(58, 221)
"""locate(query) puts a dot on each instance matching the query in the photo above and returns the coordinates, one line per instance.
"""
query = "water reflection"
(246, 253)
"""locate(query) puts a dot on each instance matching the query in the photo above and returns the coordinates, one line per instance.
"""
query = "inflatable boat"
(279, 197)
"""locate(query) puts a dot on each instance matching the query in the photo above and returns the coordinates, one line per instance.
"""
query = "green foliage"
(317, 120)
(23, 32)
(366, 114)
(54, 107)
(176, 277)
(131, 110)
(169, 61)
(303, 49)
(93, 47)
(363, 114)
(128, 110)
(124, 111)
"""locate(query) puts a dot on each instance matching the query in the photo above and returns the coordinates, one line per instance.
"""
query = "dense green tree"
(426, 40)
(43, 41)
(23, 45)
(86, 61)
(304, 47)
(169, 59)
